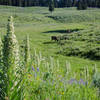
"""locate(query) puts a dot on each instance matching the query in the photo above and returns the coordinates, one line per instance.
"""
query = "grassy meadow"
(59, 70)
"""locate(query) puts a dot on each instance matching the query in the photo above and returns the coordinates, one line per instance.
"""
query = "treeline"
(24, 3)
(57, 3)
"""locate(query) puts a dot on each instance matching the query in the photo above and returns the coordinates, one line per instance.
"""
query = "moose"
(55, 38)
(58, 38)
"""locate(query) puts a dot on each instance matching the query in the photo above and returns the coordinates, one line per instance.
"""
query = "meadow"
(64, 70)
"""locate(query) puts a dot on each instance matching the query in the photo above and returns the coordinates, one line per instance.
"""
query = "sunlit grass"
(49, 80)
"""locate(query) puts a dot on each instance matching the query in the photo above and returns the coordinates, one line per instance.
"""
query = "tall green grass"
(39, 78)
(49, 76)
(46, 80)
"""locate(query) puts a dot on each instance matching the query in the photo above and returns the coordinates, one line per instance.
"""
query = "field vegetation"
(34, 67)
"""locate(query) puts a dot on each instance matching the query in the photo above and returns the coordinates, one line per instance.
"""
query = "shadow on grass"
(50, 42)
(64, 31)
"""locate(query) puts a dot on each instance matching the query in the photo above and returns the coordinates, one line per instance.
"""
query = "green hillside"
(79, 45)
(37, 22)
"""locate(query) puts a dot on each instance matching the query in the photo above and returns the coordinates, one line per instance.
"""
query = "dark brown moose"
(55, 38)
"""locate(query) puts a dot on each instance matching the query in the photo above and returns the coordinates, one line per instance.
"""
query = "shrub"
(88, 51)
(96, 81)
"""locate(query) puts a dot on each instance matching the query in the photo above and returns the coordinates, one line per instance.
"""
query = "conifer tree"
(55, 3)
(20, 3)
(97, 3)
(89, 3)
(74, 3)
(64, 3)
(26, 3)
(10, 2)
(30, 2)
(14, 3)
(79, 5)
(84, 5)
(51, 6)
(69, 3)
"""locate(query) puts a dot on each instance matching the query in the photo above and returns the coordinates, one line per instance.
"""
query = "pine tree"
(30, 2)
(55, 3)
(1, 2)
(74, 3)
(26, 3)
(10, 2)
(93, 4)
(69, 3)
(64, 3)
(51, 6)
(20, 3)
(79, 5)
(84, 5)
(89, 3)
(97, 3)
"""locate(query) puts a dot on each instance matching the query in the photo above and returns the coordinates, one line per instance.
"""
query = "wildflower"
(11, 58)
(38, 78)
(72, 81)
(33, 68)
(62, 93)
(35, 75)
(81, 82)
(11, 47)
(29, 75)
(38, 69)
(15, 83)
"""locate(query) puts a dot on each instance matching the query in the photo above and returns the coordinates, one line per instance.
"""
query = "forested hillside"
(57, 3)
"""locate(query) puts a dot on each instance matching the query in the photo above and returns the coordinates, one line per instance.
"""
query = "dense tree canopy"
(57, 3)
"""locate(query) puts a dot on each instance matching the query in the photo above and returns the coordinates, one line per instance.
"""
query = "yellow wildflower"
(29, 75)
(62, 93)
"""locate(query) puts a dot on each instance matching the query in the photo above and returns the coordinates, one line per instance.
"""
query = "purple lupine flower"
(72, 81)
(75, 82)
(81, 81)
(53, 82)
(35, 75)
(33, 68)
(62, 80)
(37, 69)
